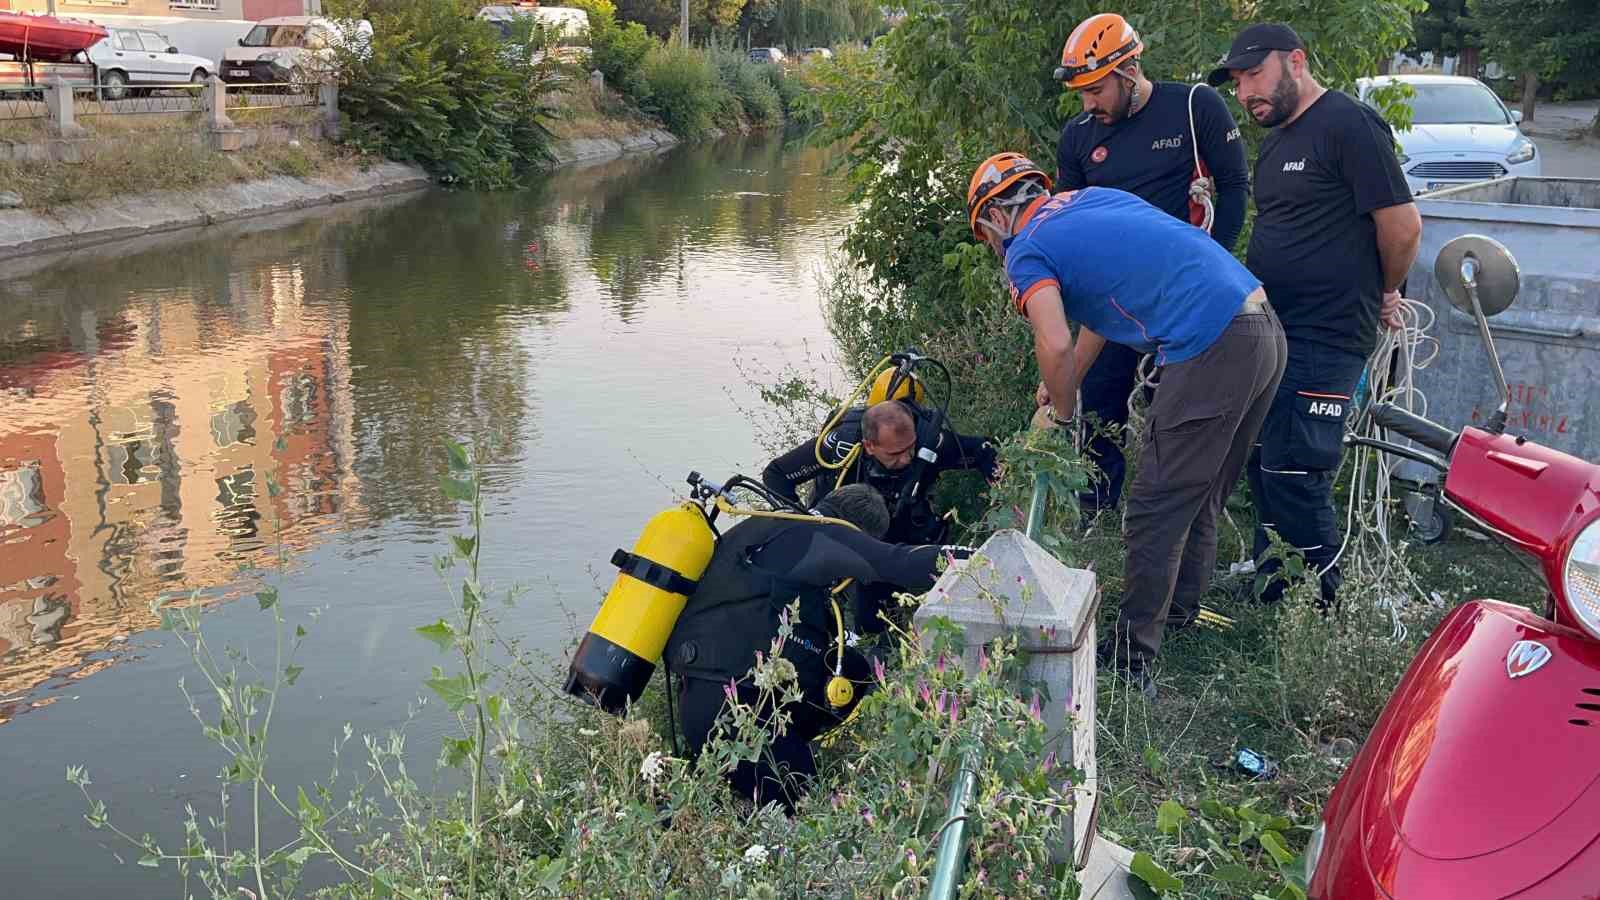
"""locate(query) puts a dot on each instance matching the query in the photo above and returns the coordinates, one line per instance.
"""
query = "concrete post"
(220, 132)
(1012, 586)
(328, 106)
(66, 136)
(58, 106)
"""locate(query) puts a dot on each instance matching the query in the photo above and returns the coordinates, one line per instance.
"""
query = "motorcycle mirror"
(1486, 265)
(1481, 278)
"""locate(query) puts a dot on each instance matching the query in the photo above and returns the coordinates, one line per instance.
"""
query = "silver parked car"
(136, 56)
(1460, 133)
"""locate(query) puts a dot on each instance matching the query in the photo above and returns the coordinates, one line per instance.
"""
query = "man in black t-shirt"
(1335, 233)
(1136, 135)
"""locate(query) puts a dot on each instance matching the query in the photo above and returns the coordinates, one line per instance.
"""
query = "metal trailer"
(1549, 340)
(28, 76)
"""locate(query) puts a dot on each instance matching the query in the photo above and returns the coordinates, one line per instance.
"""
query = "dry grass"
(169, 158)
(587, 113)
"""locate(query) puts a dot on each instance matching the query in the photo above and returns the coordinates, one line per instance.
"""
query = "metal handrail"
(950, 866)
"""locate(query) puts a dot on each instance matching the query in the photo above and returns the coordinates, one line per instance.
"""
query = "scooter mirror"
(1487, 264)
(1481, 278)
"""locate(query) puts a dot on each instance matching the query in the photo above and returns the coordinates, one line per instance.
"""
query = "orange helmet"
(1095, 48)
(998, 173)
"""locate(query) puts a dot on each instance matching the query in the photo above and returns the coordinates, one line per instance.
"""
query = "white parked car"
(1460, 133)
(288, 49)
(138, 57)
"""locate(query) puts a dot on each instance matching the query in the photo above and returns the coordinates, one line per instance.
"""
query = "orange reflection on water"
(175, 448)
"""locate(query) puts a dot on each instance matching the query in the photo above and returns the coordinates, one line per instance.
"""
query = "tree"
(1542, 40)
(706, 17)
(1446, 29)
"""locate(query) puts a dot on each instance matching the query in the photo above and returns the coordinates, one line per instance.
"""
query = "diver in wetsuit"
(903, 450)
(760, 567)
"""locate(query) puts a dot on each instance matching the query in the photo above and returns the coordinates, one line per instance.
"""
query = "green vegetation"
(693, 90)
(162, 158)
(1542, 41)
(789, 24)
(437, 87)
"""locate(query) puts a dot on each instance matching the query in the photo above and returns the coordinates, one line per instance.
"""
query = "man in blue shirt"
(1126, 272)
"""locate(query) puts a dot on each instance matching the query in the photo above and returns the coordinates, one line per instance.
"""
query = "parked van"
(569, 26)
(288, 49)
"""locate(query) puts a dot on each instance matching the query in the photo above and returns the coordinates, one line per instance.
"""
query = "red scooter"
(1482, 776)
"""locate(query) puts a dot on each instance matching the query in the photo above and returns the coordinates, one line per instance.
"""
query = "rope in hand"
(1368, 545)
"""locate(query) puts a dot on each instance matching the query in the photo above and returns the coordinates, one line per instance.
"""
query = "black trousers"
(1201, 428)
(785, 769)
(1105, 391)
(1296, 458)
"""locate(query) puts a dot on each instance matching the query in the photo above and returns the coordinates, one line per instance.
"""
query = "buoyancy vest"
(734, 612)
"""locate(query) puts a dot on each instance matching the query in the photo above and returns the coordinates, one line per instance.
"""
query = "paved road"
(1558, 129)
(1569, 159)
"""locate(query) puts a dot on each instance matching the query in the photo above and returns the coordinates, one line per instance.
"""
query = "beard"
(1281, 103)
(1119, 109)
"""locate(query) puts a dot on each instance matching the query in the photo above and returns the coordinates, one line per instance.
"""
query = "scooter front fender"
(1482, 777)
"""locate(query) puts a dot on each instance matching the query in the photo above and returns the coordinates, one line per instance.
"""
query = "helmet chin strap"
(1133, 92)
(1014, 208)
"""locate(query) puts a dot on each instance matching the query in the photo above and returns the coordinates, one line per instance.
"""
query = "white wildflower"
(588, 732)
(652, 767)
(776, 674)
(756, 854)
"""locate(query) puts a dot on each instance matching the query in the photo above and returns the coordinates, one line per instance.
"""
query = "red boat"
(46, 37)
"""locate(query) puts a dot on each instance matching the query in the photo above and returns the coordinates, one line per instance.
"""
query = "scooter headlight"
(1580, 578)
(1314, 850)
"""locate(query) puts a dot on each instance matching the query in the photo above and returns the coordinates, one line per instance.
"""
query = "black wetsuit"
(760, 568)
(905, 491)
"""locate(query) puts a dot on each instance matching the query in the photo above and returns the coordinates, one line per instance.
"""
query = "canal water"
(273, 395)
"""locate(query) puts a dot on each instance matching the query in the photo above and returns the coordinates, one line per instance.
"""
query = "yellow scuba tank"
(615, 659)
(895, 383)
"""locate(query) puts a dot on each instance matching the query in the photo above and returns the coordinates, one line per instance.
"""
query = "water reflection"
(175, 412)
(150, 448)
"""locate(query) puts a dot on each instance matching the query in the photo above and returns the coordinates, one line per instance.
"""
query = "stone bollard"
(66, 135)
(328, 104)
(597, 81)
(1012, 586)
(220, 132)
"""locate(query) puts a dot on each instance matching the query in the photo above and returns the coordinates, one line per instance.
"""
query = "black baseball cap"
(1251, 47)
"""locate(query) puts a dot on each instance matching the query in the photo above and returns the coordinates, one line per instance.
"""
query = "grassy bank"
(163, 159)
(1285, 681)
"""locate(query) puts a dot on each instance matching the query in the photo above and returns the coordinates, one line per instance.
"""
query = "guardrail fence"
(62, 109)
